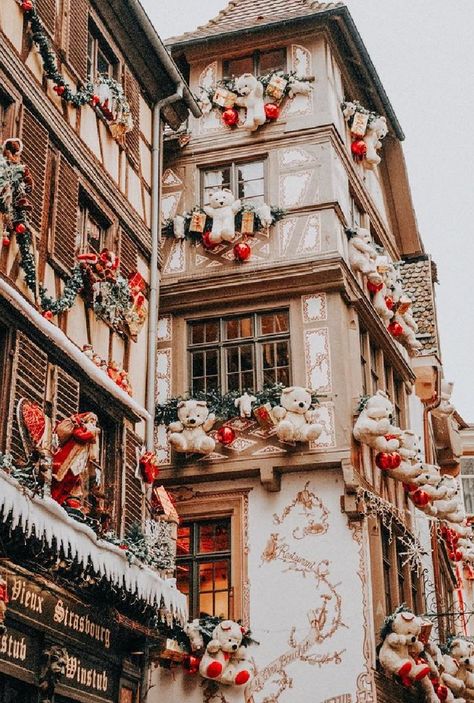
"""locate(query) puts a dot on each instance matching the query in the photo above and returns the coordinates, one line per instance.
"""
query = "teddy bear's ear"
(201, 403)
(309, 390)
(227, 190)
(181, 404)
(288, 390)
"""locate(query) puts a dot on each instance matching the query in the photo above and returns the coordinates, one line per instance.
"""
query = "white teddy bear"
(466, 547)
(178, 227)
(222, 210)
(405, 318)
(193, 631)
(189, 434)
(225, 659)
(459, 668)
(410, 468)
(400, 647)
(251, 91)
(264, 214)
(244, 404)
(450, 507)
(376, 131)
(379, 299)
(297, 421)
(362, 255)
(439, 690)
(373, 424)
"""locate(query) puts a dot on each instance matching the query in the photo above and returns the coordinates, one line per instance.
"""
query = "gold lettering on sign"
(13, 648)
(81, 623)
(27, 597)
(86, 676)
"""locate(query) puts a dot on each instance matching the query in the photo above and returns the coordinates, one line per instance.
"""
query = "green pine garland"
(357, 107)
(168, 227)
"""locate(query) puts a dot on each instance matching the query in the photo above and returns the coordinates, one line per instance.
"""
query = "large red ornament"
(230, 117)
(383, 461)
(26, 5)
(6, 242)
(242, 251)
(420, 498)
(225, 435)
(272, 111)
(20, 228)
(206, 241)
(59, 89)
(374, 287)
(389, 302)
(455, 555)
(395, 329)
(47, 314)
(359, 148)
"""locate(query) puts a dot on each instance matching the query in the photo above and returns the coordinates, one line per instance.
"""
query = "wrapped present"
(136, 283)
(359, 124)
(173, 651)
(276, 87)
(425, 633)
(248, 222)
(198, 222)
(162, 504)
(263, 415)
(224, 97)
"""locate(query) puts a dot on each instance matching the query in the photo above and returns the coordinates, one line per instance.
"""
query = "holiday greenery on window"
(367, 131)
(258, 96)
(105, 94)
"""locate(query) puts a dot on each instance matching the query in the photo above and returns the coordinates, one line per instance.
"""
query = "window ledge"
(49, 521)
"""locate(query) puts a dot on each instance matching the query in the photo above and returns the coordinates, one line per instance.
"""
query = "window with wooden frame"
(101, 60)
(258, 63)
(400, 584)
(467, 483)
(378, 374)
(211, 565)
(94, 227)
(240, 352)
(246, 180)
(447, 622)
(387, 567)
(7, 116)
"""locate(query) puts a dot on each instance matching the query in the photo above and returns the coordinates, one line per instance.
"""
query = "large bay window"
(245, 180)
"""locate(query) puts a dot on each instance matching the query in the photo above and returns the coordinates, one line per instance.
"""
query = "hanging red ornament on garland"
(455, 555)
(389, 302)
(26, 5)
(388, 460)
(272, 111)
(374, 287)
(420, 498)
(395, 329)
(20, 228)
(206, 241)
(59, 89)
(242, 251)
(6, 242)
(359, 148)
(225, 435)
(230, 117)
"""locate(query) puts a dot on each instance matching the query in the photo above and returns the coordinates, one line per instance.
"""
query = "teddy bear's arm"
(241, 654)
(311, 415)
(175, 427)
(278, 412)
(258, 92)
(241, 101)
(209, 423)
(395, 640)
(236, 206)
(209, 211)
(417, 647)
(213, 646)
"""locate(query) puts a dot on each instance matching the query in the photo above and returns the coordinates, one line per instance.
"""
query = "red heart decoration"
(33, 418)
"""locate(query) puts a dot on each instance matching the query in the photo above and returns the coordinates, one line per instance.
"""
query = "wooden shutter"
(66, 395)
(35, 155)
(78, 36)
(133, 485)
(29, 377)
(47, 12)
(67, 207)
(132, 91)
(128, 254)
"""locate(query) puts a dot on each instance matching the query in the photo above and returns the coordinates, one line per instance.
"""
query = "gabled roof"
(240, 14)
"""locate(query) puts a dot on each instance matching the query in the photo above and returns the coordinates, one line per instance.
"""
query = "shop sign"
(19, 649)
(93, 676)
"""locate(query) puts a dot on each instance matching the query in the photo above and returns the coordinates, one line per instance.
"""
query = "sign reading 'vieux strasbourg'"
(52, 610)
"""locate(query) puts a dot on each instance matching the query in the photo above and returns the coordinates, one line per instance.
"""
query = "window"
(238, 353)
(386, 566)
(203, 566)
(259, 63)
(245, 180)
(400, 572)
(356, 213)
(467, 482)
(93, 228)
(6, 117)
(374, 368)
(100, 59)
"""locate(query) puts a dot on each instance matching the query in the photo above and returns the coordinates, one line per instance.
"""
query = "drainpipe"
(156, 173)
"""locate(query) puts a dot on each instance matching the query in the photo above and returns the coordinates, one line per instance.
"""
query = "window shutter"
(67, 206)
(78, 35)
(30, 370)
(35, 155)
(47, 12)
(66, 395)
(132, 91)
(128, 254)
(133, 485)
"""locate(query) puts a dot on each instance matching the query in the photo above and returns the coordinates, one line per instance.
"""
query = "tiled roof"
(418, 282)
(243, 14)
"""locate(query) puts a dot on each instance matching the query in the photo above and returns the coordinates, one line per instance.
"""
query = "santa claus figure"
(3, 603)
(77, 437)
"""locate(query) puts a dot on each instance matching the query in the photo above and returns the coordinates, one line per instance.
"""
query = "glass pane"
(233, 382)
(213, 537)
(221, 581)
(246, 358)
(197, 334)
(217, 178)
(282, 354)
(232, 360)
(222, 536)
(205, 604)
(235, 67)
(212, 331)
(274, 60)
(269, 377)
(212, 383)
(211, 363)
(206, 538)
(251, 189)
(184, 540)
(232, 329)
(246, 327)
(283, 376)
(222, 604)
(183, 577)
(267, 324)
(205, 577)
(468, 488)
(250, 172)
(248, 381)
(198, 384)
(268, 353)
(103, 65)
(198, 364)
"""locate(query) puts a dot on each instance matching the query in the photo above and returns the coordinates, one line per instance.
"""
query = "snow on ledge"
(62, 341)
(48, 520)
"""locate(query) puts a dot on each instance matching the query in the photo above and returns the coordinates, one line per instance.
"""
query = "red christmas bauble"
(395, 460)
(384, 460)
(389, 302)
(374, 287)
(191, 664)
(225, 435)
(420, 498)
(6, 242)
(359, 148)
(242, 251)
(20, 228)
(206, 241)
(395, 329)
(441, 692)
(272, 111)
(455, 555)
(26, 5)
(409, 487)
(230, 117)
(95, 100)
(47, 314)
(59, 89)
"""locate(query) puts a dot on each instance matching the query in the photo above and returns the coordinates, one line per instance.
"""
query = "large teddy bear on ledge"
(373, 425)
(459, 667)
(376, 131)
(295, 416)
(222, 210)
(225, 659)
(400, 647)
(189, 434)
(363, 255)
(251, 97)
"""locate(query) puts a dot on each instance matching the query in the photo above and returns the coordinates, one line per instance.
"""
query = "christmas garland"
(223, 406)
(106, 96)
(360, 121)
(195, 236)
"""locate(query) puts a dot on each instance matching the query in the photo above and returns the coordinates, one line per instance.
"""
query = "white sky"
(422, 50)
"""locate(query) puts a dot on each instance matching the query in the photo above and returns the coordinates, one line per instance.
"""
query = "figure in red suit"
(77, 436)
(3, 603)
